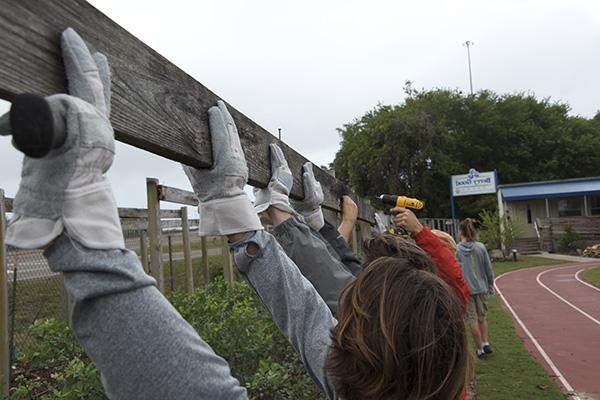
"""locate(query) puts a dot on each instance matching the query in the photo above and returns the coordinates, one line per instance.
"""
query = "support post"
(4, 350)
(227, 262)
(187, 251)
(205, 266)
(547, 208)
(144, 250)
(501, 213)
(453, 211)
(154, 233)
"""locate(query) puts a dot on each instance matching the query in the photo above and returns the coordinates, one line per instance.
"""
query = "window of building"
(595, 205)
(570, 207)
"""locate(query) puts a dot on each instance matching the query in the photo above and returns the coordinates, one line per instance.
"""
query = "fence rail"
(155, 105)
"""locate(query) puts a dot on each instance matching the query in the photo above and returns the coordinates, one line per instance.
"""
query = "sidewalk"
(565, 257)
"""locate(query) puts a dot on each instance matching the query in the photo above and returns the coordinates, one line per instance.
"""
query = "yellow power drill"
(401, 201)
(404, 202)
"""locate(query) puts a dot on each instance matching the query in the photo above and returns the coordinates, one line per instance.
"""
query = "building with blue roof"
(546, 208)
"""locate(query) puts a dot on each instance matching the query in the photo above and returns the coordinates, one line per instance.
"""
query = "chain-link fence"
(34, 292)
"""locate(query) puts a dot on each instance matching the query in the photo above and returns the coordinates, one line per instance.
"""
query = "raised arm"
(446, 264)
(141, 345)
(315, 259)
(225, 209)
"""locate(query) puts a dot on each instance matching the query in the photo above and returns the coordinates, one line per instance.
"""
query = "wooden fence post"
(154, 233)
(227, 262)
(4, 350)
(205, 266)
(144, 250)
(187, 251)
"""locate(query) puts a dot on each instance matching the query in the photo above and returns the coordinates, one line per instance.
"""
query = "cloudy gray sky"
(311, 66)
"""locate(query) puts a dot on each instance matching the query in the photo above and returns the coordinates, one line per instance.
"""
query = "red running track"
(558, 317)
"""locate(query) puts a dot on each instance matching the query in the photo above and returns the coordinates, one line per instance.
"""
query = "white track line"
(540, 349)
(579, 310)
(584, 282)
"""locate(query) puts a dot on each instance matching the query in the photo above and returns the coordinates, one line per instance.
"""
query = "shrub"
(569, 241)
(229, 318)
(493, 236)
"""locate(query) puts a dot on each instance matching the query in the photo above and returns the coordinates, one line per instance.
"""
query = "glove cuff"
(25, 232)
(314, 219)
(91, 217)
(267, 197)
(228, 215)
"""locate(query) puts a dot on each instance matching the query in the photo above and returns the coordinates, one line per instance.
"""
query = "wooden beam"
(142, 213)
(154, 233)
(187, 251)
(179, 196)
(155, 105)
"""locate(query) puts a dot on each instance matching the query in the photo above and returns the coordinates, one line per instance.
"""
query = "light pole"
(279, 130)
(468, 43)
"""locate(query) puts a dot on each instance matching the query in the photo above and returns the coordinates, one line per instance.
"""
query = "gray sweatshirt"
(476, 266)
(145, 350)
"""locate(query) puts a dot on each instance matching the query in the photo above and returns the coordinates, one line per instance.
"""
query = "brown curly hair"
(400, 335)
(387, 245)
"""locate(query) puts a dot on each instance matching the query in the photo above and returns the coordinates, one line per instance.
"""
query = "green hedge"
(229, 318)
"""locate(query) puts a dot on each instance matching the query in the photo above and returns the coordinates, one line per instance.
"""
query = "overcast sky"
(311, 66)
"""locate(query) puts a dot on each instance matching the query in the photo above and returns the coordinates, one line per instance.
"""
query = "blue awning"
(549, 189)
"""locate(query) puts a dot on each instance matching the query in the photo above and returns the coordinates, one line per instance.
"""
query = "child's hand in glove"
(224, 207)
(310, 206)
(277, 192)
(65, 188)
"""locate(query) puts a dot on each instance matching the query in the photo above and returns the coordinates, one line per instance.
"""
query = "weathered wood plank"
(154, 233)
(179, 196)
(155, 105)
(187, 251)
(142, 213)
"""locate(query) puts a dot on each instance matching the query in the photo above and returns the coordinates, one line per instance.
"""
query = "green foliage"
(55, 366)
(495, 230)
(569, 241)
(237, 326)
(54, 344)
(412, 148)
(229, 318)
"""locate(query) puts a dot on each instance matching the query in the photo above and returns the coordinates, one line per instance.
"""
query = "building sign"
(474, 183)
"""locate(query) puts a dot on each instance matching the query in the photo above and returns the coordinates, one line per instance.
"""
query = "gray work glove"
(224, 206)
(66, 189)
(277, 192)
(310, 206)
(380, 224)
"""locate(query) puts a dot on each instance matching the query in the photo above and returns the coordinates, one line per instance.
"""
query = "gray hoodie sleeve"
(487, 266)
(297, 309)
(341, 247)
(311, 254)
(141, 345)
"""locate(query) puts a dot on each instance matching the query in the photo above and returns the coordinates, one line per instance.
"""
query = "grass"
(592, 276)
(177, 245)
(511, 372)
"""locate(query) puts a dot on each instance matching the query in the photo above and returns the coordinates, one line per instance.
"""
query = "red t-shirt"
(445, 262)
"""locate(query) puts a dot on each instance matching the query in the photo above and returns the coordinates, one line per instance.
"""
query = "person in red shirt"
(447, 266)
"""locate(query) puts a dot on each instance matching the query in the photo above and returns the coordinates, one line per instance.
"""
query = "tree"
(412, 148)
